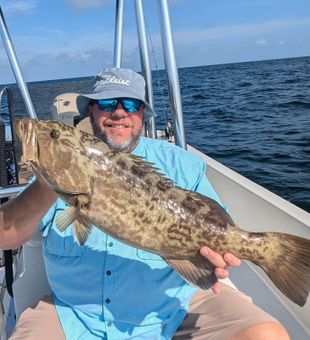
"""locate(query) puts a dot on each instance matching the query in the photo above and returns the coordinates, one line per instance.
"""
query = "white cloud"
(52, 31)
(81, 5)
(19, 7)
(240, 31)
(58, 54)
(175, 2)
(261, 42)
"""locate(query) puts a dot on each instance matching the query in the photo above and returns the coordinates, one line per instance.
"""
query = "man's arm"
(19, 217)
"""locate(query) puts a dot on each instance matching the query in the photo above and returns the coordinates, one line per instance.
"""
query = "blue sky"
(57, 39)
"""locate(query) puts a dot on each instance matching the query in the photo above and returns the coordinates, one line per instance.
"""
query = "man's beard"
(127, 145)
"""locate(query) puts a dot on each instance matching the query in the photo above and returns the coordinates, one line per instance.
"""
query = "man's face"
(121, 130)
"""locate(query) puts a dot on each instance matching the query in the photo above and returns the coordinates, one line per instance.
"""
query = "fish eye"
(55, 134)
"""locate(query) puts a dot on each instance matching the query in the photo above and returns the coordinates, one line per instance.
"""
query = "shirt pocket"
(62, 245)
(59, 243)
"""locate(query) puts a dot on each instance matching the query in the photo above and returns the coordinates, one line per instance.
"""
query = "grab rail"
(21, 84)
(172, 74)
(10, 190)
(9, 96)
(169, 57)
(145, 65)
(15, 66)
(118, 41)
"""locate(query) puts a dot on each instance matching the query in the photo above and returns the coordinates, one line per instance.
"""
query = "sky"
(56, 39)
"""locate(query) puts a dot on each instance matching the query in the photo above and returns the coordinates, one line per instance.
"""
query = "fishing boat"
(22, 271)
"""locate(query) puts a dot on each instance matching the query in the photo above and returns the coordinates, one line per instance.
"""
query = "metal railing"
(172, 74)
(169, 57)
(145, 65)
(7, 41)
(11, 190)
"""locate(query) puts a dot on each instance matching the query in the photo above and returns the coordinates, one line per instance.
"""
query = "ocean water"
(253, 117)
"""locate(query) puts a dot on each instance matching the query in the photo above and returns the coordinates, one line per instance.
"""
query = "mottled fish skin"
(124, 190)
(129, 199)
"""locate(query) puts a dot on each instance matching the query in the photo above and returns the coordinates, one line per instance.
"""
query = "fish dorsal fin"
(149, 168)
(81, 228)
(66, 217)
(198, 272)
(146, 166)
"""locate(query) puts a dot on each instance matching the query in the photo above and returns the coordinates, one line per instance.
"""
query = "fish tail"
(290, 271)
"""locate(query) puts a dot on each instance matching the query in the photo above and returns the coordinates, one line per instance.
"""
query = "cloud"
(261, 42)
(59, 54)
(51, 31)
(19, 7)
(175, 2)
(240, 31)
(64, 64)
(81, 5)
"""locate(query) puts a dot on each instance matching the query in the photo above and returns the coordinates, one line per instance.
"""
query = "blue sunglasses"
(130, 105)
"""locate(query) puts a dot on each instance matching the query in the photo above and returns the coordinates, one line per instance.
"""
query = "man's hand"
(221, 263)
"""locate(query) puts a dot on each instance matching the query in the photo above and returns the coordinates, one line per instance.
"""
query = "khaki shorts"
(220, 316)
(210, 316)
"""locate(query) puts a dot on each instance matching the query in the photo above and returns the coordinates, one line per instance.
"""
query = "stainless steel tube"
(118, 39)
(172, 73)
(145, 63)
(11, 190)
(15, 66)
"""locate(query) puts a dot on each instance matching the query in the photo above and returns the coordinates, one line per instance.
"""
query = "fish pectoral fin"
(83, 200)
(69, 193)
(198, 272)
(66, 217)
(82, 228)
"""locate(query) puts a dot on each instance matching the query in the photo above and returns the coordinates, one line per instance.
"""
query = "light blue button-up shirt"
(109, 290)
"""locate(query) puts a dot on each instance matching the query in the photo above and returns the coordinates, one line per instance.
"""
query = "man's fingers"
(218, 260)
(216, 288)
(231, 260)
(221, 273)
(215, 258)
(221, 264)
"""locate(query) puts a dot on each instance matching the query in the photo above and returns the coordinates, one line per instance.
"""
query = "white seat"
(30, 282)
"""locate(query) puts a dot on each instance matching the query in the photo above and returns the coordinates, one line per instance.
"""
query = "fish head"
(54, 150)
(24, 129)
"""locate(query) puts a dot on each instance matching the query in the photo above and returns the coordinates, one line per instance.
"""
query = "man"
(107, 289)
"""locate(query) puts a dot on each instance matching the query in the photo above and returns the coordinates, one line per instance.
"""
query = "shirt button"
(110, 244)
(109, 323)
(107, 300)
(109, 272)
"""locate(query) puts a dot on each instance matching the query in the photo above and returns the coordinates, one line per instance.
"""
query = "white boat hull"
(254, 208)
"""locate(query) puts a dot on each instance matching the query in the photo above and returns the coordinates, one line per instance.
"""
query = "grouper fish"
(129, 199)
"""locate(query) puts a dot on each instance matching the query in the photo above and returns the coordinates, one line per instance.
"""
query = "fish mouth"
(25, 131)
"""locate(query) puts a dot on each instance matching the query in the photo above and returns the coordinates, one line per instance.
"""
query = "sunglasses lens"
(107, 104)
(130, 105)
